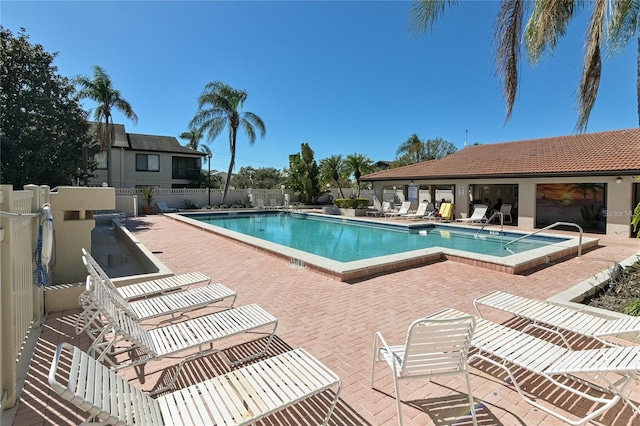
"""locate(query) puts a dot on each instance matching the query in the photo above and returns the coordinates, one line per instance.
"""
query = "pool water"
(347, 240)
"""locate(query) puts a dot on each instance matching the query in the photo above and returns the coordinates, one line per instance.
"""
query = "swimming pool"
(350, 240)
(350, 249)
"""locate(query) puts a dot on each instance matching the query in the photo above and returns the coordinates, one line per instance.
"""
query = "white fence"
(21, 302)
(130, 202)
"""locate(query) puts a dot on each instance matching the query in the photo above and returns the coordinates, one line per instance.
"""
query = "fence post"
(40, 197)
(7, 358)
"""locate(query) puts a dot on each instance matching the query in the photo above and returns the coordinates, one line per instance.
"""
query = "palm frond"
(125, 107)
(249, 130)
(548, 23)
(592, 65)
(625, 22)
(423, 14)
(256, 122)
(507, 38)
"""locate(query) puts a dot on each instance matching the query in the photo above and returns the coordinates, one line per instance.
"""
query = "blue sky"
(344, 77)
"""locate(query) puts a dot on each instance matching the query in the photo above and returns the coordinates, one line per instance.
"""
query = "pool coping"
(361, 269)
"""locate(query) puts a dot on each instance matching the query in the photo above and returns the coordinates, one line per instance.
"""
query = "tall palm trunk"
(234, 134)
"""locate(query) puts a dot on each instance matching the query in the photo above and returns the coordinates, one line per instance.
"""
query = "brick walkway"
(336, 322)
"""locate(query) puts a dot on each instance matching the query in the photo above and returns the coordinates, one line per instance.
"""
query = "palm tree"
(412, 151)
(194, 136)
(100, 89)
(333, 169)
(359, 164)
(219, 107)
(547, 23)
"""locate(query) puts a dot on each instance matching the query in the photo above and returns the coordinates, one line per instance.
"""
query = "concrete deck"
(336, 321)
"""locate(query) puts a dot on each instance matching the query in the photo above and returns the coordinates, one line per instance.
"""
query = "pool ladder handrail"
(553, 225)
(488, 221)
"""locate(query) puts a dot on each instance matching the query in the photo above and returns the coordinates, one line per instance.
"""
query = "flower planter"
(353, 212)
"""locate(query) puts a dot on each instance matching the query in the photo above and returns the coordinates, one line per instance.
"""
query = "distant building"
(383, 165)
(137, 161)
(592, 180)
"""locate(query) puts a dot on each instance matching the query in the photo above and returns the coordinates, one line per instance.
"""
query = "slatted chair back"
(90, 262)
(100, 391)
(436, 347)
(422, 209)
(108, 286)
(479, 212)
(122, 325)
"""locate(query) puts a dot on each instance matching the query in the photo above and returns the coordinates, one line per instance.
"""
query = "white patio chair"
(434, 347)
(506, 213)
(404, 209)
(420, 213)
(240, 397)
(163, 208)
(152, 287)
(558, 365)
(384, 207)
(114, 328)
(180, 302)
(273, 203)
(479, 214)
(549, 315)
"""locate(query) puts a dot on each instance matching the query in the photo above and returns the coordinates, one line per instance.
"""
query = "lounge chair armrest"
(377, 348)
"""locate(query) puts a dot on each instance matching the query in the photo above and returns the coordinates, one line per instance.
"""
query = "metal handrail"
(488, 221)
(553, 225)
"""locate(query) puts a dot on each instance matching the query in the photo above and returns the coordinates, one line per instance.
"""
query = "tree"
(412, 151)
(303, 174)
(359, 164)
(334, 169)
(194, 136)
(208, 155)
(219, 107)
(42, 125)
(99, 89)
(264, 177)
(548, 22)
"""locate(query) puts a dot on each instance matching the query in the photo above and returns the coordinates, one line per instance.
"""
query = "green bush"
(351, 203)
(188, 204)
(633, 308)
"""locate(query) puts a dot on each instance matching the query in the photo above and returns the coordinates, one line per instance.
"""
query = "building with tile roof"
(590, 179)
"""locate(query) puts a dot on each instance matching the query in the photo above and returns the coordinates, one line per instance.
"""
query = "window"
(101, 160)
(147, 163)
(185, 168)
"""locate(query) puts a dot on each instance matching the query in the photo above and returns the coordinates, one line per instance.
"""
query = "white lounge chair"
(559, 365)
(381, 211)
(163, 208)
(434, 347)
(180, 302)
(479, 214)
(421, 212)
(404, 209)
(260, 203)
(549, 315)
(152, 287)
(239, 397)
(171, 340)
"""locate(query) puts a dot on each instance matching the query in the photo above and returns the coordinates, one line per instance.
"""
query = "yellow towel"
(446, 210)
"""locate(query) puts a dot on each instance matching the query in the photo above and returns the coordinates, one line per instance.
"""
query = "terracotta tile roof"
(592, 153)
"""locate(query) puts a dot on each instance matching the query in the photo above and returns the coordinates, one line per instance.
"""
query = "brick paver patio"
(335, 322)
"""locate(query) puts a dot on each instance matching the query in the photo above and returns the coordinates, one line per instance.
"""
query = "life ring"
(47, 236)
